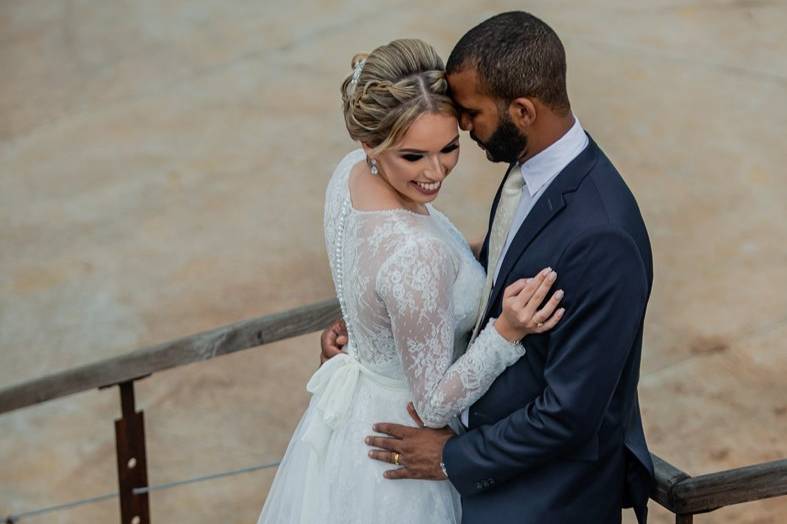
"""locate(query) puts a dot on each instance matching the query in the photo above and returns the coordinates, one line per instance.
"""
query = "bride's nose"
(436, 171)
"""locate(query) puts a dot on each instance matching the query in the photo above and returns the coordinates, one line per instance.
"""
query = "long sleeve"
(416, 285)
(586, 356)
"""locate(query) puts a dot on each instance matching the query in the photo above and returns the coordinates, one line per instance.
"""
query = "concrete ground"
(162, 168)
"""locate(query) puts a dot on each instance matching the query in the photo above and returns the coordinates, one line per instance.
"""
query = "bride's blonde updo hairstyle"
(391, 87)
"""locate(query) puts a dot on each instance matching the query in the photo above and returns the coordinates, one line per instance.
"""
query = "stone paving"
(162, 168)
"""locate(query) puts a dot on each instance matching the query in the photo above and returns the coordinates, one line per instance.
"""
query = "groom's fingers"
(414, 415)
(401, 473)
(384, 456)
(333, 339)
(391, 444)
(394, 430)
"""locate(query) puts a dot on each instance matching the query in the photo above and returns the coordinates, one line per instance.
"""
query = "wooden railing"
(677, 491)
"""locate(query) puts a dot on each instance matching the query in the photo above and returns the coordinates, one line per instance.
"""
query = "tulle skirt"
(326, 475)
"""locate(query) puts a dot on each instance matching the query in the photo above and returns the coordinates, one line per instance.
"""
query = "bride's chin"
(423, 199)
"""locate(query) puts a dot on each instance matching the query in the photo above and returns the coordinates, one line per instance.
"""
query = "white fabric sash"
(333, 387)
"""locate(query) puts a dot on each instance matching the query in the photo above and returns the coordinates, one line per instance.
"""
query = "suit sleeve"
(606, 288)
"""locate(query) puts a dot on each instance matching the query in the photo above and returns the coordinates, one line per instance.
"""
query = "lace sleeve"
(416, 286)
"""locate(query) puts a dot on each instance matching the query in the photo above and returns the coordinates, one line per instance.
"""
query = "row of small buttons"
(484, 484)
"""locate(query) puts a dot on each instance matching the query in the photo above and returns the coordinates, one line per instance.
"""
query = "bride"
(409, 288)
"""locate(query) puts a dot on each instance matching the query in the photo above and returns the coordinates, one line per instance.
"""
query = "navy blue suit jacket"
(558, 437)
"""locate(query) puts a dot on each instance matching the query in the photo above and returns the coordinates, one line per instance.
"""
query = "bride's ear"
(366, 148)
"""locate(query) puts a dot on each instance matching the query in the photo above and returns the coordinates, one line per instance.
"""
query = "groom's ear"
(522, 112)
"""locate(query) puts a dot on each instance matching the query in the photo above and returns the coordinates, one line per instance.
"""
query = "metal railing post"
(131, 459)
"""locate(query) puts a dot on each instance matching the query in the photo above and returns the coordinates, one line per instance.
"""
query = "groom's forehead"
(466, 88)
(464, 83)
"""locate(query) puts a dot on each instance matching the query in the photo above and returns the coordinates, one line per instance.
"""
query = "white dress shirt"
(539, 171)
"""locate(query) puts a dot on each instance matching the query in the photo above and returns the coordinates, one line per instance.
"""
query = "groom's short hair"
(516, 55)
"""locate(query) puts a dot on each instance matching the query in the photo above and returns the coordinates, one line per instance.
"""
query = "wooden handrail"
(227, 339)
(674, 489)
(667, 477)
(705, 493)
(683, 494)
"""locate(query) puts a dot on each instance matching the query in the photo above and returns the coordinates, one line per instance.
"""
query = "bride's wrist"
(505, 330)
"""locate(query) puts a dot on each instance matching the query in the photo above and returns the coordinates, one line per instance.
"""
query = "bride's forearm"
(468, 378)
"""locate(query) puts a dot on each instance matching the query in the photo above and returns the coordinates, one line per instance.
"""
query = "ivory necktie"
(504, 214)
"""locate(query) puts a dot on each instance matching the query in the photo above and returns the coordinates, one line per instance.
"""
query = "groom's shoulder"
(602, 200)
(603, 172)
(604, 188)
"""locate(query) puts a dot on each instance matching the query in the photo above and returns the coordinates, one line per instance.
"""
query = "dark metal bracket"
(131, 459)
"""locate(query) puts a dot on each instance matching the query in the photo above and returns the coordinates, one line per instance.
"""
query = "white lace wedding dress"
(409, 290)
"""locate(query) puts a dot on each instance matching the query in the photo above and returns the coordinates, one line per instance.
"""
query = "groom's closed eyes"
(470, 113)
(464, 111)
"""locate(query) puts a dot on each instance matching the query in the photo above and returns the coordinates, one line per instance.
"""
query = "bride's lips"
(427, 189)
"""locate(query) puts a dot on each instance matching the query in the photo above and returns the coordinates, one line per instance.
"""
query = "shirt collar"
(543, 167)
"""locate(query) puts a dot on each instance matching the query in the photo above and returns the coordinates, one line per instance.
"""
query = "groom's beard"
(506, 144)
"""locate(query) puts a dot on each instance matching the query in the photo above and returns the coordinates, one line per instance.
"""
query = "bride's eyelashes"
(412, 157)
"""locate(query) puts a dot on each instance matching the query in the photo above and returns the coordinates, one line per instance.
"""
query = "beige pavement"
(162, 167)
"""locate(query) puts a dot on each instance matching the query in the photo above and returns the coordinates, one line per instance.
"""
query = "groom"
(558, 437)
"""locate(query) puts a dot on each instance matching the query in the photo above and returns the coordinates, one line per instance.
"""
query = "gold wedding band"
(396, 458)
(540, 324)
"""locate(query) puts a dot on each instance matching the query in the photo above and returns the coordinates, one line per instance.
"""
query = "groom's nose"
(465, 122)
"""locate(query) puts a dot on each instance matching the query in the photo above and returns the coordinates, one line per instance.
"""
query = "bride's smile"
(416, 167)
(427, 188)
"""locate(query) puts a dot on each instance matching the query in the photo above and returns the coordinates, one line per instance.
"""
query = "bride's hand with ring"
(521, 315)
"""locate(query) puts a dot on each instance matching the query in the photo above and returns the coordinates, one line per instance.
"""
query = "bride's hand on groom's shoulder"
(521, 315)
(333, 340)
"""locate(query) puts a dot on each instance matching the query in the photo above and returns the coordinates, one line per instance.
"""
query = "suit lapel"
(546, 208)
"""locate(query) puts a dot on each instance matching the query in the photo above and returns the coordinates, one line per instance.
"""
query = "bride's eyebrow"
(419, 152)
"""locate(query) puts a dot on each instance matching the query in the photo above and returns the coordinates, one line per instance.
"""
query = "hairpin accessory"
(357, 73)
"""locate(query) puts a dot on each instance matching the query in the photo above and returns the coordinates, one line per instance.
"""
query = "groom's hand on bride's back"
(333, 340)
(417, 452)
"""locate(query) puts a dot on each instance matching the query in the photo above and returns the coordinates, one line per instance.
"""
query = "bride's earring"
(373, 167)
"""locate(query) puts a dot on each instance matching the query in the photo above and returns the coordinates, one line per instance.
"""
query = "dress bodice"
(375, 246)
(409, 288)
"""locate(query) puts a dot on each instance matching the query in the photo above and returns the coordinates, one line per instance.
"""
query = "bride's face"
(417, 166)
